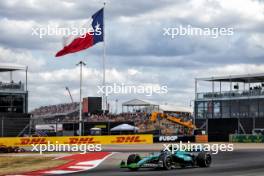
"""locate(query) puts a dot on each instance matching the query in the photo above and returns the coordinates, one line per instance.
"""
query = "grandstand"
(54, 114)
(14, 115)
(55, 110)
(233, 104)
(67, 115)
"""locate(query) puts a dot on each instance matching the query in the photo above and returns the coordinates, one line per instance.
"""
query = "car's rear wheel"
(167, 162)
(133, 158)
(204, 159)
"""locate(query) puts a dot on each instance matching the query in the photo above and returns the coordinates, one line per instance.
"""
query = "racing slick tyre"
(133, 158)
(204, 159)
(167, 161)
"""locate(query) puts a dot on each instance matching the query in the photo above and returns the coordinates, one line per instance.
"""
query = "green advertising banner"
(246, 138)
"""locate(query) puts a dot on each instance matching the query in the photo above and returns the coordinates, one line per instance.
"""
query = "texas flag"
(94, 34)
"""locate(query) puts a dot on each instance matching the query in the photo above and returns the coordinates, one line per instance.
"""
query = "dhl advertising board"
(117, 139)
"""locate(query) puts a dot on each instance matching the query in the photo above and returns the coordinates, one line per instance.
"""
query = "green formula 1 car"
(167, 160)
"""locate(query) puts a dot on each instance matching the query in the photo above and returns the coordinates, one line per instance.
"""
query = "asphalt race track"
(241, 162)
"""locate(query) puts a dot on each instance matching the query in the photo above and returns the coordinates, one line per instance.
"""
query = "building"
(14, 116)
(136, 105)
(230, 104)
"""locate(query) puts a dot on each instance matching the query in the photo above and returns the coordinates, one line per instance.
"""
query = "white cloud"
(138, 54)
(132, 71)
(21, 57)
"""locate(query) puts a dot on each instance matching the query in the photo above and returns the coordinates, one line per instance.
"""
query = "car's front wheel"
(167, 162)
(204, 159)
(133, 158)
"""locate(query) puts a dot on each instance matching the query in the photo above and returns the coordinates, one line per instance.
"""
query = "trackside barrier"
(175, 138)
(115, 139)
(182, 138)
(246, 138)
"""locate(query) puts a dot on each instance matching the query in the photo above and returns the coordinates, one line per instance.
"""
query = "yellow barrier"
(115, 139)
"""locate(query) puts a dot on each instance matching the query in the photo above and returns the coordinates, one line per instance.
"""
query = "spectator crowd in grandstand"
(69, 113)
(55, 109)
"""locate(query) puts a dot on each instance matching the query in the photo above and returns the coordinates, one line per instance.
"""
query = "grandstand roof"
(137, 102)
(173, 108)
(6, 68)
(248, 78)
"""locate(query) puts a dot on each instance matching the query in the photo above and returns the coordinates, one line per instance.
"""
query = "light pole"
(81, 63)
(116, 106)
(193, 108)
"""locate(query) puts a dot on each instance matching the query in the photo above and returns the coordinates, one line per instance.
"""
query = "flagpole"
(104, 96)
(81, 63)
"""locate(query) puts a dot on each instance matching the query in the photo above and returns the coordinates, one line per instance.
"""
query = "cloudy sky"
(137, 52)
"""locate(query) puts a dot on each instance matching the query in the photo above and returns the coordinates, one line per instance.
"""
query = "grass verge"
(21, 164)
